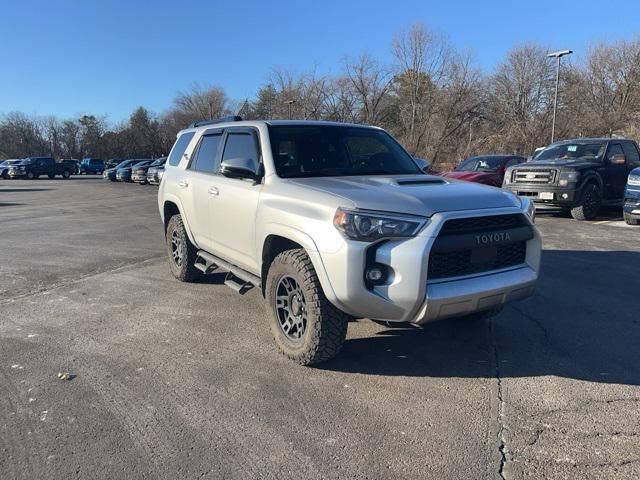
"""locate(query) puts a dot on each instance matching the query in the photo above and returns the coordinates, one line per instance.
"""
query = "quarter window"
(206, 159)
(179, 148)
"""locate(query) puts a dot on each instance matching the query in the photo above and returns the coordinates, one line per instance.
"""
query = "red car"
(487, 169)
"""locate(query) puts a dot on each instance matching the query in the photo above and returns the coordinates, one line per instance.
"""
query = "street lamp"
(290, 103)
(557, 55)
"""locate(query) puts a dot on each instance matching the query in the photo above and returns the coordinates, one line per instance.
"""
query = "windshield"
(159, 162)
(573, 151)
(327, 150)
(481, 164)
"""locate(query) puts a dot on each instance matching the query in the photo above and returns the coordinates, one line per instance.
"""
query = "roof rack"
(230, 118)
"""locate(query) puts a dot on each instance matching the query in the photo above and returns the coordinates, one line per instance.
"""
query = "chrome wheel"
(177, 248)
(291, 309)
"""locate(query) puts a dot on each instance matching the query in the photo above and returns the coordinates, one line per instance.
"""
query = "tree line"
(431, 96)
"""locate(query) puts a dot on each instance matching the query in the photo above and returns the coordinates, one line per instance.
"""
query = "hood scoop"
(426, 181)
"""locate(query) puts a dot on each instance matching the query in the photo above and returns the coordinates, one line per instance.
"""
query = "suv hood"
(413, 194)
(558, 162)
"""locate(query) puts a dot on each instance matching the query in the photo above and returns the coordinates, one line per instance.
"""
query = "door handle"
(183, 184)
(213, 191)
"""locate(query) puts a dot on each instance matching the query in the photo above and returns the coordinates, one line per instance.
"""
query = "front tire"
(630, 220)
(589, 204)
(30, 175)
(182, 253)
(66, 174)
(306, 327)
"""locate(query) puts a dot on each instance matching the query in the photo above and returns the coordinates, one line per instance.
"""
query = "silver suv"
(334, 221)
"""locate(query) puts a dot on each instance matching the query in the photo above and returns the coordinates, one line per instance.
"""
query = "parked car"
(577, 175)
(487, 169)
(33, 167)
(110, 173)
(334, 221)
(123, 174)
(4, 167)
(113, 162)
(139, 171)
(631, 206)
(155, 172)
(74, 164)
(91, 165)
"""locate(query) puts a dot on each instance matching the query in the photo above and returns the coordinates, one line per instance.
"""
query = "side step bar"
(237, 278)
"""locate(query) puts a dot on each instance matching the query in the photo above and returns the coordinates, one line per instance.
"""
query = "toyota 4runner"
(576, 175)
(334, 221)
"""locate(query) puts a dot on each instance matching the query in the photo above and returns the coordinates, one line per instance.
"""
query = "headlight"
(370, 226)
(507, 177)
(528, 208)
(568, 177)
(634, 180)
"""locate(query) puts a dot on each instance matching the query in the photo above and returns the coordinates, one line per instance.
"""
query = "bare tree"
(201, 103)
(371, 84)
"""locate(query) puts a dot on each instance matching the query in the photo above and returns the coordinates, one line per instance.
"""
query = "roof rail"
(230, 118)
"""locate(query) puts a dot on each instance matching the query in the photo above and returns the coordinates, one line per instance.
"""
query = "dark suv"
(576, 175)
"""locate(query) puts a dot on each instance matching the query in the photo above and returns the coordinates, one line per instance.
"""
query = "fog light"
(565, 196)
(374, 274)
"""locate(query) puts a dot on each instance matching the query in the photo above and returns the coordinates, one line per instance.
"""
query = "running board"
(237, 278)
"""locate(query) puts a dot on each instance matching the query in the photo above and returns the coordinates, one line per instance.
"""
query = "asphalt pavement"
(176, 380)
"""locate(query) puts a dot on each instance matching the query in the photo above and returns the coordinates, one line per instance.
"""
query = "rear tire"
(630, 220)
(589, 203)
(306, 327)
(51, 175)
(182, 253)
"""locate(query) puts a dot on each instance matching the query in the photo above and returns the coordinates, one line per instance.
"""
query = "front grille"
(455, 264)
(481, 224)
(452, 258)
(534, 176)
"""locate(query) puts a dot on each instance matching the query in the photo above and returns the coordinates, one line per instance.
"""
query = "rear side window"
(179, 147)
(631, 154)
(240, 145)
(206, 159)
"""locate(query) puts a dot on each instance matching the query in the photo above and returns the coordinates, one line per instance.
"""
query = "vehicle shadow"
(20, 190)
(10, 204)
(582, 323)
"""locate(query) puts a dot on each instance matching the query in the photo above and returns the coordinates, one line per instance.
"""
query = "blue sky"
(66, 57)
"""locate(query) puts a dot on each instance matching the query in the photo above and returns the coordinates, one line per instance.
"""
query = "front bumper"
(631, 204)
(17, 173)
(561, 196)
(123, 178)
(410, 296)
(139, 178)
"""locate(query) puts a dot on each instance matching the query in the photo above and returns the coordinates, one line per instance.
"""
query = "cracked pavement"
(183, 381)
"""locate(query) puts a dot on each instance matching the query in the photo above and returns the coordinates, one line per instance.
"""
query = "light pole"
(557, 55)
(290, 103)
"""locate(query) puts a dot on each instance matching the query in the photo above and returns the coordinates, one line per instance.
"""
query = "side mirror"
(240, 168)
(422, 164)
(618, 159)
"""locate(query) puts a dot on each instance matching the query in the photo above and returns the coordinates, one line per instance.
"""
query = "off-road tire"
(185, 271)
(326, 327)
(589, 203)
(630, 220)
(482, 316)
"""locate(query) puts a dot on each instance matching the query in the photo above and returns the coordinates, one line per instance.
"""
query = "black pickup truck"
(579, 175)
(33, 167)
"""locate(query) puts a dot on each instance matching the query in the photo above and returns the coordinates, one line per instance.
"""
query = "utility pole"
(558, 56)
